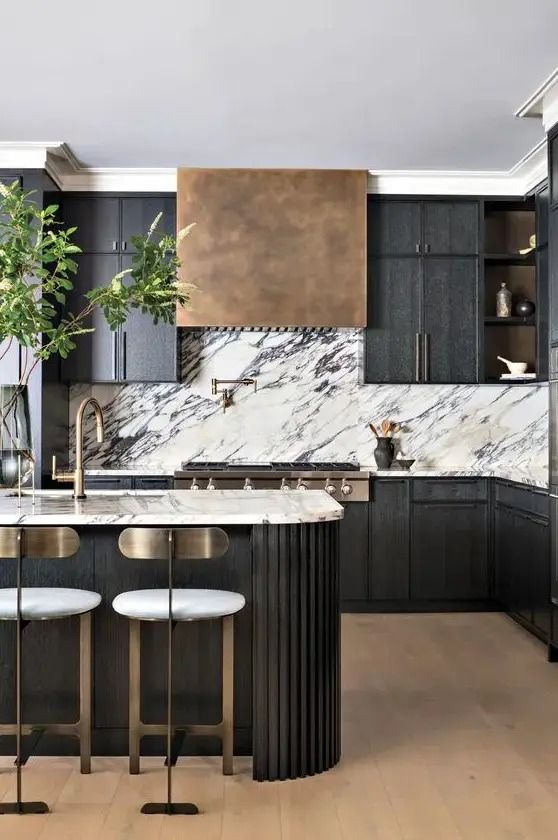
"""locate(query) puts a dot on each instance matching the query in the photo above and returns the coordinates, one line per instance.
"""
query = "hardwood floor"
(450, 732)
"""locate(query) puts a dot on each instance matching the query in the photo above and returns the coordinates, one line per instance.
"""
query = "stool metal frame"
(179, 544)
(45, 543)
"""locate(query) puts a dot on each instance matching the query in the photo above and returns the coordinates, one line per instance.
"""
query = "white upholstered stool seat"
(39, 603)
(187, 604)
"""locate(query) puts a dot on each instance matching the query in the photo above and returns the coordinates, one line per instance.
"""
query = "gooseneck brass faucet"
(227, 394)
(77, 476)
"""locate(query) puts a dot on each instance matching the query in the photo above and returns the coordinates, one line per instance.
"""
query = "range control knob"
(301, 485)
(330, 488)
(248, 484)
(285, 484)
(194, 485)
(211, 484)
(346, 489)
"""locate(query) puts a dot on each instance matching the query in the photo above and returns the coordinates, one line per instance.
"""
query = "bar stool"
(174, 605)
(41, 604)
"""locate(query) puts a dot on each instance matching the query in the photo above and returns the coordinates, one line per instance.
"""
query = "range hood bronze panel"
(274, 247)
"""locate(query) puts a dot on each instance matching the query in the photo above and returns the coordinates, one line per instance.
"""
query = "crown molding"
(519, 180)
(543, 102)
(26, 155)
(71, 176)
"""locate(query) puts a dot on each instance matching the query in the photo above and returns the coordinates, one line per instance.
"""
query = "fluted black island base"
(287, 683)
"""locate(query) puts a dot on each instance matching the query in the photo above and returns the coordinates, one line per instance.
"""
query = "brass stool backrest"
(55, 543)
(180, 543)
(41, 543)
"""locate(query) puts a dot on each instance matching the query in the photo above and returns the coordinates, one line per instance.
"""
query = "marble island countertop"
(169, 507)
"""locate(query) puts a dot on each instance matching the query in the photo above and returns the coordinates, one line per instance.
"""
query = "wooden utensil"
(373, 429)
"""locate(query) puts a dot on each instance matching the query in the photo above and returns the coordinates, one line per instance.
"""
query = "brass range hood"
(273, 247)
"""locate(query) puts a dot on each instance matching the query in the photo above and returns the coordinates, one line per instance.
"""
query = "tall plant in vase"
(37, 266)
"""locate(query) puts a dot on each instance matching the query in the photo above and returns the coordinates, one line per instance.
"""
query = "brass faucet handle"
(63, 475)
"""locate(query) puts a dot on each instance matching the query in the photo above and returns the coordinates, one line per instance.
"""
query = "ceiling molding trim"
(26, 155)
(71, 176)
(534, 105)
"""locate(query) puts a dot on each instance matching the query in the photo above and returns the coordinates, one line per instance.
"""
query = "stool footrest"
(23, 808)
(44, 728)
(186, 728)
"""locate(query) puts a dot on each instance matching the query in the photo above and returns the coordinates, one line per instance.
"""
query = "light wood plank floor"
(450, 732)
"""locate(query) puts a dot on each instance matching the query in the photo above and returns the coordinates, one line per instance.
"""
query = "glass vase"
(16, 448)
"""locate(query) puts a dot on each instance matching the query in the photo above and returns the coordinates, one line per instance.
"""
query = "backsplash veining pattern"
(309, 405)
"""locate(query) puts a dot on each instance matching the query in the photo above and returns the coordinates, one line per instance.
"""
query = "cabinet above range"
(139, 351)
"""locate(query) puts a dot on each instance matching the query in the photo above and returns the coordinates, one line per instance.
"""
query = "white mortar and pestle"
(517, 368)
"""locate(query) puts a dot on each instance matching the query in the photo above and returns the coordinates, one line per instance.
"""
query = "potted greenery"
(37, 264)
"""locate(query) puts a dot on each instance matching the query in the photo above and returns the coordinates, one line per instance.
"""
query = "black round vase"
(383, 454)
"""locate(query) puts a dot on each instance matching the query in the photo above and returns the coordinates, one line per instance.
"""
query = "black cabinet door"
(148, 351)
(108, 482)
(138, 215)
(553, 273)
(353, 553)
(539, 548)
(451, 227)
(394, 227)
(449, 552)
(97, 219)
(95, 356)
(450, 345)
(153, 482)
(391, 339)
(389, 540)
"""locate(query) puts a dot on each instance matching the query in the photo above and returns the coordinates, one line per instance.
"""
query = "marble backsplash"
(309, 405)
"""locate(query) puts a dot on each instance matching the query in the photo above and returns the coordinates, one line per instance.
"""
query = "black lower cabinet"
(522, 555)
(353, 556)
(389, 541)
(128, 482)
(449, 541)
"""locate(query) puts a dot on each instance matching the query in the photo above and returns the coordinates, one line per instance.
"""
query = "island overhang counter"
(283, 557)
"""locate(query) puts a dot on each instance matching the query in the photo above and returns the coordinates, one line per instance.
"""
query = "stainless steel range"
(344, 481)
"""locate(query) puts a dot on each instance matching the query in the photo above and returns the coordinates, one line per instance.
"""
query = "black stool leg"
(19, 807)
(169, 807)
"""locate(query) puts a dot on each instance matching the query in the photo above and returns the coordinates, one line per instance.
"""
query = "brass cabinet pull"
(114, 355)
(426, 357)
(124, 356)
(417, 357)
(417, 248)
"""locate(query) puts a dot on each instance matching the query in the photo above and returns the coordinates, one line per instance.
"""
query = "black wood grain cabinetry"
(139, 351)
(449, 541)
(389, 540)
(393, 332)
(449, 340)
(522, 555)
(129, 482)
(423, 291)
(354, 554)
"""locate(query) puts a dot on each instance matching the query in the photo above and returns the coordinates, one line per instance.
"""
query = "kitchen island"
(283, 557)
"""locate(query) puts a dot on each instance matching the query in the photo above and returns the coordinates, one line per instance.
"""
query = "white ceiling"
(374, 84)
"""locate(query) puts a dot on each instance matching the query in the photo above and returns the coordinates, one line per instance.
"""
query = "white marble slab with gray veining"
(170, 508)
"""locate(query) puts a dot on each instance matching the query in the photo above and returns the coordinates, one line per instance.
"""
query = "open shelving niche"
(508, 225)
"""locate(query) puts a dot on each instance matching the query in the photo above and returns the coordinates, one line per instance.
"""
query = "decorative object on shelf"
(37, 263)
(226, 393)
(524, 308)
(384, 452)
(503, 302)
(515, 368)
(16, 453)
(532, 245)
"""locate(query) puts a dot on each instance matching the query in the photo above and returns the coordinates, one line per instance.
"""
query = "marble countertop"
(169, 507)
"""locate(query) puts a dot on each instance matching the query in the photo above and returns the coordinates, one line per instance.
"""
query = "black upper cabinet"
(450, 227)
(97, 220)
(140, 351)
(422, 323)
(449, 340)
(95, 358)
(148, 351)
(394, 227)
(392, 336)
(138, 215)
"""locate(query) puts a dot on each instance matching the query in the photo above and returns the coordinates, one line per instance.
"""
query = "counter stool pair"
(25, 604)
